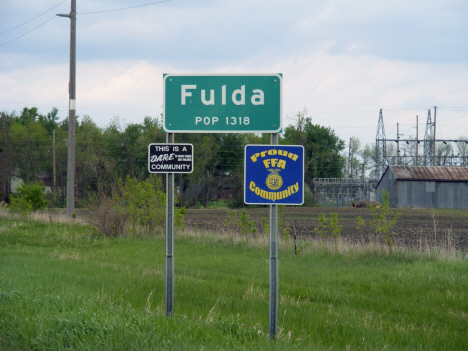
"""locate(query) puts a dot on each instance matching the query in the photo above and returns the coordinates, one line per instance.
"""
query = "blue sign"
(274, 175)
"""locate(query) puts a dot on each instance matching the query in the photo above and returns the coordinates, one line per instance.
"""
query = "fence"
(340, 192)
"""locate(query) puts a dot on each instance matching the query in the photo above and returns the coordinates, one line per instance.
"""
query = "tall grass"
(64, 287)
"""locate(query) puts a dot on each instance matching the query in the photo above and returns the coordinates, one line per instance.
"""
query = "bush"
(145, 202)
(107, 214)
(28, 198)
(328, 227)
(131, 207)
(240, 224)
(383, 219)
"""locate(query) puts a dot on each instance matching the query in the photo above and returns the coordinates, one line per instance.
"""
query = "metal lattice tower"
(382, 160)
(380, 149)
(429, 141)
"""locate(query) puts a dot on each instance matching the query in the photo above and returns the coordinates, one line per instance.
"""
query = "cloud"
(343, 60)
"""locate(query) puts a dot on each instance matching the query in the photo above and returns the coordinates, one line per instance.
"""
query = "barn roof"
(430, 173)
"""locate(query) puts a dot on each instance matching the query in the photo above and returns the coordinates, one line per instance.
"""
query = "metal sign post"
(170, 158)
(274, 175)
(273, 315)
(169, 287)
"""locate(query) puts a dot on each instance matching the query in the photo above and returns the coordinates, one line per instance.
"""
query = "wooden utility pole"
(71, 113)
(398, 143)
(55, 176)
(434, 148)
(347, 171)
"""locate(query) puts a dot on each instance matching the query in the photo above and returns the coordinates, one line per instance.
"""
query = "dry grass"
(57, 216)
(444, 251)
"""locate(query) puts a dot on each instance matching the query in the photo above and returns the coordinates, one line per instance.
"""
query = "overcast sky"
(342, 60)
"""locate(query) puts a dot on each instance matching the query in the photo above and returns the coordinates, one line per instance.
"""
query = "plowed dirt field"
(416, 228)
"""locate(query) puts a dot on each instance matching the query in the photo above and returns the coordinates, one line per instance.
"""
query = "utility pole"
(349, 159)
(71, 112)
(55, 176)
(398, 143)
(434, 148)
(417, 140)
(347, 171)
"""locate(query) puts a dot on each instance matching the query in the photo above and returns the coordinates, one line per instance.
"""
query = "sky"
(342, 61)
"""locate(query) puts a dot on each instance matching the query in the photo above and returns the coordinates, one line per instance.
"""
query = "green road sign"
(223, 103)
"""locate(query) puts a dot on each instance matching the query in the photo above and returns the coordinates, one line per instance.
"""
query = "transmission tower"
(382, 160)
(429, 141)
(380, 149)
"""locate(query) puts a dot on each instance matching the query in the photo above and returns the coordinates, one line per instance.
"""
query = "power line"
(32, 19)
(22, 35)
(81, 13)
(123, 8)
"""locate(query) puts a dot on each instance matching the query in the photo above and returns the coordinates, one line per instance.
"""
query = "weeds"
(240, 223)
(328, 228)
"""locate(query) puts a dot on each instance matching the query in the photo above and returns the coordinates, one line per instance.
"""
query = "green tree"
(355, 169)
(50, 120)
(92, 163)
(229, 172)
(202, 179)
(32, 149)
(322, 148)
(7, 154)
(28, 115)
(368, 160)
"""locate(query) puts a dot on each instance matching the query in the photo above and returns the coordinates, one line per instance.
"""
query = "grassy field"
(63, 287)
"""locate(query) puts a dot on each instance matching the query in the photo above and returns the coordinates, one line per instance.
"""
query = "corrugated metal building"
(425, 187)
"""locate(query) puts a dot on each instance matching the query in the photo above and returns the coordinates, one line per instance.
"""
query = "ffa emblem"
(274, 180)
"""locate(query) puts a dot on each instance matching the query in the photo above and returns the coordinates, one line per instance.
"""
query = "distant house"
(15, 182)
(425, 186)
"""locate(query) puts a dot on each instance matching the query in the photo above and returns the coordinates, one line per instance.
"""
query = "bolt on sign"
(170, 158)
(225, 103)
(274, 175)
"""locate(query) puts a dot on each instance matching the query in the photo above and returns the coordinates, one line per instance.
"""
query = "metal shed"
(425, 186)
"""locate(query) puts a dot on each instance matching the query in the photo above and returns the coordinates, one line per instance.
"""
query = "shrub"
(107, 214)
(361, 224)
(328, 227)
(145, 202)
(240, 223)
(131, 206)
(28, 198)
(384, 219)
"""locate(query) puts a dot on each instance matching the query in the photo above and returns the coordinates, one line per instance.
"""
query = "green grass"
(63, 287)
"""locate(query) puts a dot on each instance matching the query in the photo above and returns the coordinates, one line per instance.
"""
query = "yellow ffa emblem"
(274, 180)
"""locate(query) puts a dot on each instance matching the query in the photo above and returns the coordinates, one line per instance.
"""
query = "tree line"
(34, 147)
